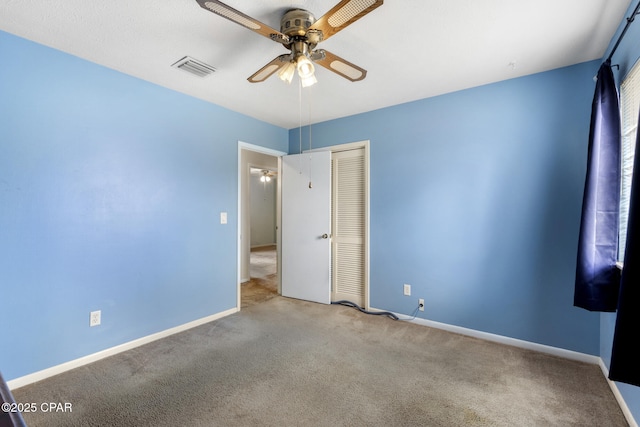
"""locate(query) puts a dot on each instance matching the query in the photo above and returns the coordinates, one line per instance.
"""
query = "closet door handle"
(325, 236)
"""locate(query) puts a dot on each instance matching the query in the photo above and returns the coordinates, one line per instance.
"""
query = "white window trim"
(629, 109)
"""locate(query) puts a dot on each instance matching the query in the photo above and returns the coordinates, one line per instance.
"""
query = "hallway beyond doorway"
(263, 284)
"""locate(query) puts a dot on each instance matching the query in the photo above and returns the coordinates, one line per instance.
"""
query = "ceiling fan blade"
(343, 14)
(246, 21)
(265, 72)
(338, 65)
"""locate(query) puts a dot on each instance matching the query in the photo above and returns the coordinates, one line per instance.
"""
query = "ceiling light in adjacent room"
(265, 176)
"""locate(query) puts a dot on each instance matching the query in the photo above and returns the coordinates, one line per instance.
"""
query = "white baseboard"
(55, 370)
(614, 388)
(263, 245)
(501, 339)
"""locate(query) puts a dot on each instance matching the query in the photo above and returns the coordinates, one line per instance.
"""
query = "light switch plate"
(223, 217)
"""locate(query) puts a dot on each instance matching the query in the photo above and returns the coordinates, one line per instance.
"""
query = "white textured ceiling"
(412, 49)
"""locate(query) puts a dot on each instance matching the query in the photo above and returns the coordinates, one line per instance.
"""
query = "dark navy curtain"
(625, 356)
(597, 276)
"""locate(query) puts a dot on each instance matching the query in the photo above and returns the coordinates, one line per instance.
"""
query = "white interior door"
(306, 226)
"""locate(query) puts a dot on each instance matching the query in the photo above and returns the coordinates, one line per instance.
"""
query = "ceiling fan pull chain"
(309, 117)
(300, 124)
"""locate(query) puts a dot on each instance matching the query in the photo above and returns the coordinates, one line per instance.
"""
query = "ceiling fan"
(300, 32)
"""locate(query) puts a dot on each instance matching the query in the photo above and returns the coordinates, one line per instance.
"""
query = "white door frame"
(352, 146)
(259, 149)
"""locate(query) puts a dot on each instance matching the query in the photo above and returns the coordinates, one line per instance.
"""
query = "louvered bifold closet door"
(348, 226)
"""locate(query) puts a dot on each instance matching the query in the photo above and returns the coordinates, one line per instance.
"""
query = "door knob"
(325, 236)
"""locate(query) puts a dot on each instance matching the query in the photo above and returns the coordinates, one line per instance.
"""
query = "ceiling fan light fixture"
(306, 71)
(308, 81)
(304, 66)
(286, 72)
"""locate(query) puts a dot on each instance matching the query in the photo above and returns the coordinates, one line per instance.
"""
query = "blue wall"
(110, 194)
(626, 56)
(475, 202)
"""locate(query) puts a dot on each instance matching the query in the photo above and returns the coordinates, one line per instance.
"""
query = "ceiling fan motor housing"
(296, 22)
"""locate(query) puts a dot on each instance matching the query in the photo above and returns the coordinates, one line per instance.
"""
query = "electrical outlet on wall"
(421, 304)
(94, 319)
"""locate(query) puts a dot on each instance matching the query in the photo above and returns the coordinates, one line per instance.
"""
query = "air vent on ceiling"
(194, 66)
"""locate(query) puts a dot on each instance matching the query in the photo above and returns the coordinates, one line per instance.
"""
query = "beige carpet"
(292, 363)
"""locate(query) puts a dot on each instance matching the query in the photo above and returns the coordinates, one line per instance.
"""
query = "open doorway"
(258, 225)
(263, 254)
